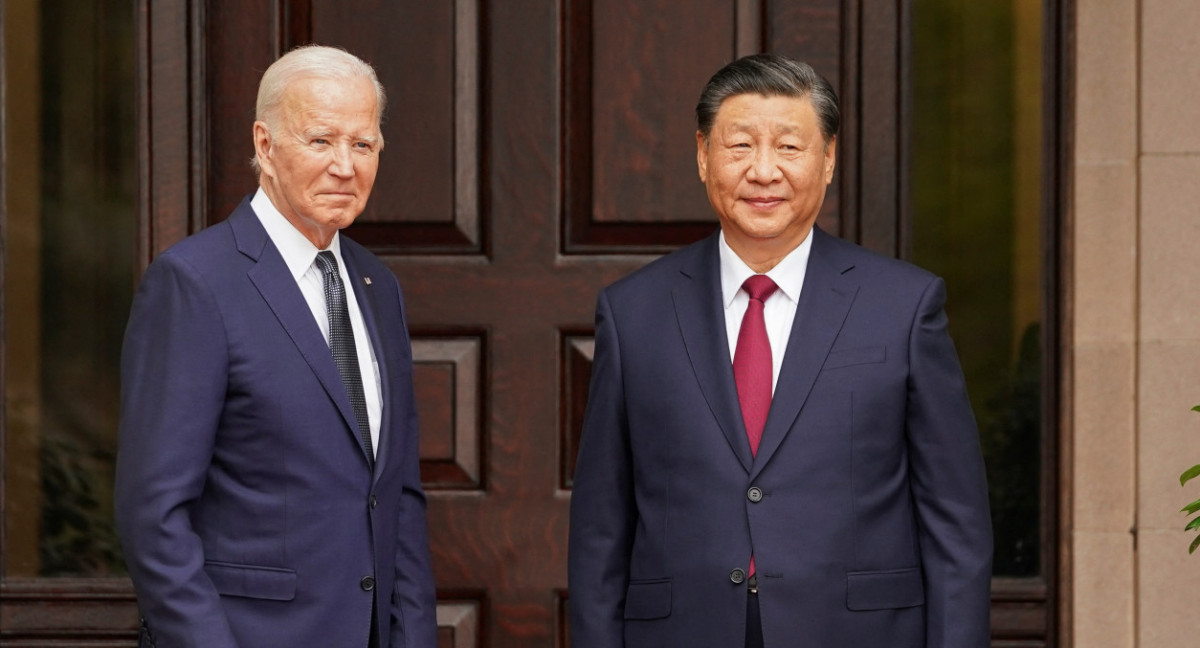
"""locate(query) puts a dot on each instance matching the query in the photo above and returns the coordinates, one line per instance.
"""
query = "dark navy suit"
(246, 505)
(865, 507)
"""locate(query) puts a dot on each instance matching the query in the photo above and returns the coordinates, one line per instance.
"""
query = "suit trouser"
(754, 637)
(373, 636)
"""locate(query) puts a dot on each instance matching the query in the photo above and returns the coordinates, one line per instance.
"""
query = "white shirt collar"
(297, 251)
(788, 274)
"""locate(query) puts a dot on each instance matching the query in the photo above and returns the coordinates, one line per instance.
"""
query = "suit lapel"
(274, 282)
(697, 298)
(824, 303)
(364, 294)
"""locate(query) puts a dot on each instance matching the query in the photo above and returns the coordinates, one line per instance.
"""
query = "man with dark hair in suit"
(778, 448)
(268, 489)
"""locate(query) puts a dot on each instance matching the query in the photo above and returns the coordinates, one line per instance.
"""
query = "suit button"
(367, 583)
(737, 576)
(754, 494)
(374, 501)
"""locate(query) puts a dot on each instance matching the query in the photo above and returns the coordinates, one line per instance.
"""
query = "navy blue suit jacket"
(246, 506)
(869, 523)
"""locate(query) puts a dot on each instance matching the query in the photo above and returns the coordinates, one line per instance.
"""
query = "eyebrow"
(328, 132)
(747, 126)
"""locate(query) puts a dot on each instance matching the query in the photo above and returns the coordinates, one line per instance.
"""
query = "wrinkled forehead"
(334, 97)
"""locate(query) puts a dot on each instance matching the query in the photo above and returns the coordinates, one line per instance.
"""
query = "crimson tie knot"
(759, 287)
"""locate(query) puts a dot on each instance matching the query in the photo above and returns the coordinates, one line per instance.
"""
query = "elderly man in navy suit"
(778, 449)
(268, 491)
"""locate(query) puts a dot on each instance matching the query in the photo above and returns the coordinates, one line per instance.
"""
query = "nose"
(764, 167)
(341, 164)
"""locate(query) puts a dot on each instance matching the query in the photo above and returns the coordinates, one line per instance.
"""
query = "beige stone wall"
(1135, 325)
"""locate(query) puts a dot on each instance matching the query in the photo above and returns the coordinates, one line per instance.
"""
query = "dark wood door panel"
(633, 70)
(427, 197)
(632, 73)
(236, 49)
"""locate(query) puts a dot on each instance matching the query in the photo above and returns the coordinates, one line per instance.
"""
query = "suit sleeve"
(173, 380)
(949, 484)
(414, 601)
(603, 511)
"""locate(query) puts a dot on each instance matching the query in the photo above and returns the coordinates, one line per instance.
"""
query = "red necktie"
(752, 365)
(752, 360)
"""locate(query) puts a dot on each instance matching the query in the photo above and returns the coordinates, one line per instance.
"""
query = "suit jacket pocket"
(252, 581)
(882, 590)
(648, 599)
(855, 356)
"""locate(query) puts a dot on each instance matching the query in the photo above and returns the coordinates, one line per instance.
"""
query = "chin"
(764, 232)
(341, 217)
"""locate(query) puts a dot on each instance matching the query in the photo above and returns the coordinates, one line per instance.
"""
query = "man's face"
(765, 166)
(320, 155)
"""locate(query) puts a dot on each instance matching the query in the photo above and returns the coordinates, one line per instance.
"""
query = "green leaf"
(1195, 543)
(1193, 525)
(1191, 508)
(1196, 408)
(1189, 474)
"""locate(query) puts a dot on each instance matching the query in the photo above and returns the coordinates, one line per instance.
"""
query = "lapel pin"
(367, 280)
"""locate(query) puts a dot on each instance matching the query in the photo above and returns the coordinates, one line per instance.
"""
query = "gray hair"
(308, 61)
(769, 75)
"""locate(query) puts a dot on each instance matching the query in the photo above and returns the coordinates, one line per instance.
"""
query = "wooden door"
(536, 151)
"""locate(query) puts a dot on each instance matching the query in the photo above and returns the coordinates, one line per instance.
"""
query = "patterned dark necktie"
(752, 366)
(341, 343)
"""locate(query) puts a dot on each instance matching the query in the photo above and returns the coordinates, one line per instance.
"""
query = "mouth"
(763, 202)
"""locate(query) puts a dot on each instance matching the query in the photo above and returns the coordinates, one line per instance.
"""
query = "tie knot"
(327, 262)
(759, 287)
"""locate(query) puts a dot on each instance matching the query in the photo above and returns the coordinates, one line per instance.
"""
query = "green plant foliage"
(1191, 509)
(78, 538)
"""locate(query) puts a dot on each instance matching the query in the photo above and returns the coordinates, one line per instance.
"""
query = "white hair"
(309, 61)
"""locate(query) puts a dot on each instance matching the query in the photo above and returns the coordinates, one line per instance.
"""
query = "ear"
(262, 148)
(702, 155)
(830, 158)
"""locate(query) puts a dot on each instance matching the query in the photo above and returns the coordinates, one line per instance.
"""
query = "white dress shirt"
(300, 255)
(780, 308)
